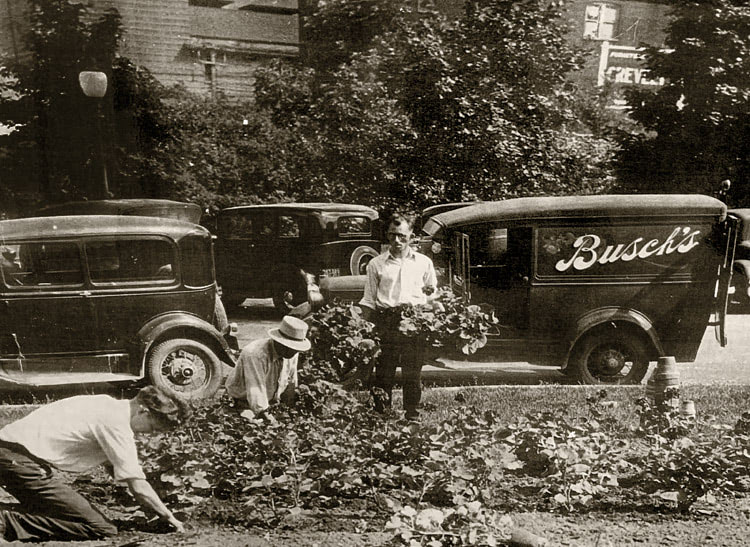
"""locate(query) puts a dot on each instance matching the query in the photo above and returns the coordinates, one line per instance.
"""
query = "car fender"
(602, 316)
(349, 288)
(181, 323)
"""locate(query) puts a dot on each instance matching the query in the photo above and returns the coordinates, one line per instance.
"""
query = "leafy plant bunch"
(442, 483)
(467, 524)
(342, 343)
(447, 322)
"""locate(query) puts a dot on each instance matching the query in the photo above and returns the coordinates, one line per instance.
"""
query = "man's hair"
(164, 405)
(401, 220)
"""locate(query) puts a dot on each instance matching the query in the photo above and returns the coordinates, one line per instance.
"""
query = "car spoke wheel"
(360, 258)
(186, 367)
(610, 358)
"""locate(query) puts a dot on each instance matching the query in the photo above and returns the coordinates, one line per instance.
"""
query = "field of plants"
(579, 466)
(484, 465)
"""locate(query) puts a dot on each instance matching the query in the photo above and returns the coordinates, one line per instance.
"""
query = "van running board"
(59, 378)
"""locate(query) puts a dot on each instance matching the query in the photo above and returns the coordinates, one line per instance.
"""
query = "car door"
(493, 266)
(46, 307)
(133, 279)
(245, 253)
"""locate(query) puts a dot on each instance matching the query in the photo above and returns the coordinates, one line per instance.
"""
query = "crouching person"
(76, 434)
(266, 372)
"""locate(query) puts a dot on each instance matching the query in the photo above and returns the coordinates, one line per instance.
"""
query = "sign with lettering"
(623, 66)
(621, 251)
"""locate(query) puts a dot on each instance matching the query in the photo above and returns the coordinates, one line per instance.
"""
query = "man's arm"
(149, 500)
(430, 280)
(371, 290)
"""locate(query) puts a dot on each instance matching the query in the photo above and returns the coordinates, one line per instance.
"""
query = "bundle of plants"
(447, 323)
(344, 345)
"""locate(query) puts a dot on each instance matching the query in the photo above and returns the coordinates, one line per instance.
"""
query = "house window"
(600, 21)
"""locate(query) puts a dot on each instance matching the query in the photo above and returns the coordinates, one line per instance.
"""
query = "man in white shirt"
(266, 372)
(76, 434)
(399, 276)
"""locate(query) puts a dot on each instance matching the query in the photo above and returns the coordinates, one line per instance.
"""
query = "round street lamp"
(94, 85)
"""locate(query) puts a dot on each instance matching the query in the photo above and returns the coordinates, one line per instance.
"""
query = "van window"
(197, 261)
(130, 260)
(41, 264)
(354, 226)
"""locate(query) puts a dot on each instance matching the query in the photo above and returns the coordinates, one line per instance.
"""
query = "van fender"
(183, 325)
(603, 316)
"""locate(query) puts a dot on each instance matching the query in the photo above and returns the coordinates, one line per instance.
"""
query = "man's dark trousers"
(50, 509)
(397, 350)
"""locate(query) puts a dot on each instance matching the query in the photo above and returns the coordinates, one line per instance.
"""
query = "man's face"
(285, 352)
(399, 236)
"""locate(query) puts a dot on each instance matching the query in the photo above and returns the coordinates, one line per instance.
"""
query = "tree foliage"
(53, 145)
(698, 127)
(434, 109)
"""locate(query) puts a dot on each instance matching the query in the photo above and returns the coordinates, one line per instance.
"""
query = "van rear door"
(731, 227)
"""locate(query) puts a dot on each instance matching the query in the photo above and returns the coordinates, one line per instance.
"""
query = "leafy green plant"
(467, 524)
(577, 462)
(447, 322)
(344, 344)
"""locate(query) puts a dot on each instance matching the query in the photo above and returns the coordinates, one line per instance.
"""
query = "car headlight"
(436, 247)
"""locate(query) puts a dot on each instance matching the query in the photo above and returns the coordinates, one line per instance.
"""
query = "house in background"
(214, 46)
(209, 46)
(615, 33)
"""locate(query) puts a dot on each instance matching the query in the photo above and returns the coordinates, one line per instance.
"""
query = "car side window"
(354, 226)
(41, 264)
(131, 260)
(288, 227)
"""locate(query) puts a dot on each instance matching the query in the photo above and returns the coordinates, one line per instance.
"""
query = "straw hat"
(292, 333)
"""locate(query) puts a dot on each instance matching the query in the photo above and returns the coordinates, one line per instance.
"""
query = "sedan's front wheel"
(186, 367)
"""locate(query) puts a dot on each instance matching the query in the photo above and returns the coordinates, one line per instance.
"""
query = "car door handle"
(85, 294)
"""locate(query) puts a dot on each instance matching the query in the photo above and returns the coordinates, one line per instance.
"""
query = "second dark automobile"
(276, 251)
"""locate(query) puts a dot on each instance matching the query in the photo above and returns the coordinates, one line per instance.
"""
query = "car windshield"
(431, 227)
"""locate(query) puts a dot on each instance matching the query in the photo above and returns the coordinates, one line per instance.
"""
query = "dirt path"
(726, 527)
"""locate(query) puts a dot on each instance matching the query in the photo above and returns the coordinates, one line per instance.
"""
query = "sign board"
(623, 67)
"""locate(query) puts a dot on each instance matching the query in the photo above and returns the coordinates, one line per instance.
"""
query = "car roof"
(433, 210)
(599, 206)
(139, 207)
(92, 225)
(311, 207)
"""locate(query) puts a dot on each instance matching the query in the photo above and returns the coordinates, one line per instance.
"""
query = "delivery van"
(599, 285)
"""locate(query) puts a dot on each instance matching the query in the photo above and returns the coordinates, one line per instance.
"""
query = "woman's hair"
(167, 407)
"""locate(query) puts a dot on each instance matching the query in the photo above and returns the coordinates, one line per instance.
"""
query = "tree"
(43, 99)
(697, 124)
(431, 109)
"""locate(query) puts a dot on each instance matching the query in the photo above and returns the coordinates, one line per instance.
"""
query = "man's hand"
(176, 524)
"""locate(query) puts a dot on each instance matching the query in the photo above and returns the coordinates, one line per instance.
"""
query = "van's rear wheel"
(610, 357)
(186, 367)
